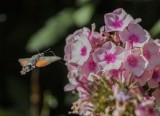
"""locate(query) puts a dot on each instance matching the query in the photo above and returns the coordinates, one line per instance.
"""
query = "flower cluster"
(115, 71)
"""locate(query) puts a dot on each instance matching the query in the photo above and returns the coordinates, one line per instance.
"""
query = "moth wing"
(44, 61)
(23, 61)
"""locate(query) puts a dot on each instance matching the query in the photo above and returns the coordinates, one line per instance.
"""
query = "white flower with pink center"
(108, 56)
(117, 20)
(80, 50)
(134, 35)
(71, 39)
(150, 52)
(134, 62)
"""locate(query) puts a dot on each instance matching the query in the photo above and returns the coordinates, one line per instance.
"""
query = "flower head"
(114, 72)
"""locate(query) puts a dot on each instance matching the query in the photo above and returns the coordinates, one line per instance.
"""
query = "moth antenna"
(47, 50)
(52, 53)
(37, 51)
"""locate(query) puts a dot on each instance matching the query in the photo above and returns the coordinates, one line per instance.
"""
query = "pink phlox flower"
(153, 82)
(89, 67)
(134, 62)
(108, 56)
(117, 20)
(71, 39)
(150, 52)
(80, 50)
(134, 35)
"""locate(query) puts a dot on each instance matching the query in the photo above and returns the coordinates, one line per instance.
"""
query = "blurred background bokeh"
(30, 25)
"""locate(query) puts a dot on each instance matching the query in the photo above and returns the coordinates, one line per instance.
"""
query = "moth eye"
(29, 66)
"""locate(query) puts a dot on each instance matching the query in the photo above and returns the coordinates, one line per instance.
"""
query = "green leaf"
(83, 15)
(155, 30)
(54, 29)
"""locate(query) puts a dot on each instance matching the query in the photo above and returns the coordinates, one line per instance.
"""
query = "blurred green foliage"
(82, 16)
(155, 30)
(57, 26)
(49, 101)
(54, 29)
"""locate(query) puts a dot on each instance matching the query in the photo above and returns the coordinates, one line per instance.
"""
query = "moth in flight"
(38, 60)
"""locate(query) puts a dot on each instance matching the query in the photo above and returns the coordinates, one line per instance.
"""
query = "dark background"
(20, 19)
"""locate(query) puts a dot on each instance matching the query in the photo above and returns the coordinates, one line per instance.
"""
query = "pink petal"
(152, 84)
(89, 67)
(150, 52)
(145, 77)
(135, 63)
(156, 94)
(69, 87)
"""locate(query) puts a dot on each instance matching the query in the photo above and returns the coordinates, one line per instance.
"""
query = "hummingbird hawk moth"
(38, 60)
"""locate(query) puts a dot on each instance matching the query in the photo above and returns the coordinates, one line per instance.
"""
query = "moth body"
(38, 60)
